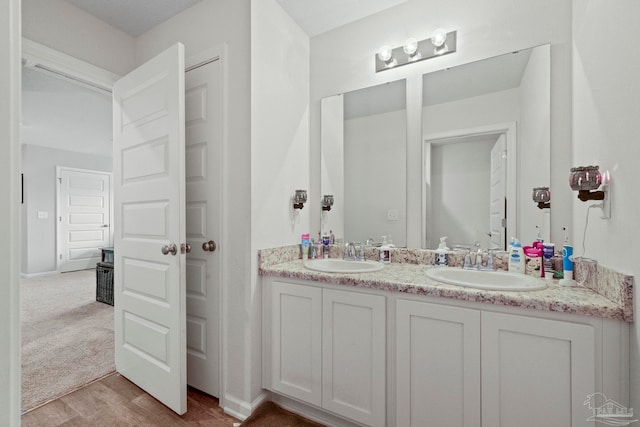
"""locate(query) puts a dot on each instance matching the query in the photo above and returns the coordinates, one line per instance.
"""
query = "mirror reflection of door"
(468, 190)
(494, 94)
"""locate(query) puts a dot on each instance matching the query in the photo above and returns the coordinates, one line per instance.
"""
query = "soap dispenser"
(385, 251)
(442, 253)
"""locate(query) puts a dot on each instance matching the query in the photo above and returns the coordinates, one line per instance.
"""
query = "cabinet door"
(437, 365)
(354, 374)
(296, 315)
(536, 372)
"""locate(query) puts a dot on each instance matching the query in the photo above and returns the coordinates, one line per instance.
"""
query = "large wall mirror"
(486, 145)
(363, 139)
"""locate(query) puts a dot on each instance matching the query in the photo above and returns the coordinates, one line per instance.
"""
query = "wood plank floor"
(115, 401)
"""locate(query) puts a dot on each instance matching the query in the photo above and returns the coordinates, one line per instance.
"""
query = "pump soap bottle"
(385, 251)
(442, 253)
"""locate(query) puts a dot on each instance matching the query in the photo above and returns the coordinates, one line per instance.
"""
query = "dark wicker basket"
(104, 282)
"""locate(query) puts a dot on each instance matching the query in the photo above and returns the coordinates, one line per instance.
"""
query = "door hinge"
(60, 219)
(504, 222)
(60, 180)
(60, 256)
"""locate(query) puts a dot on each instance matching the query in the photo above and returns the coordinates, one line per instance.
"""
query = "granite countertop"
(412, 279)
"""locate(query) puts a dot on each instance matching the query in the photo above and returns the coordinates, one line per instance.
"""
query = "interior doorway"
(204, 104)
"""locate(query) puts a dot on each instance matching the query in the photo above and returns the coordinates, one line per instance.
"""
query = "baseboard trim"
(241, 409)
(32, 275)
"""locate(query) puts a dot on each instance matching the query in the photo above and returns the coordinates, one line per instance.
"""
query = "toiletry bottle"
(318, 249)
(332, 237)
(533, 261)
(305, 245)
(442, 253)
(547, 261)
(516, 257)
(384, 251)
(567, 261)
(325, 246)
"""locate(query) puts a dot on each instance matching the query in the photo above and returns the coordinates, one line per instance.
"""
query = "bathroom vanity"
(396, 348)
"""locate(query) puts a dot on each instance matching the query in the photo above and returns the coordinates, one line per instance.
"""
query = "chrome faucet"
(353, 251)
(478, 264)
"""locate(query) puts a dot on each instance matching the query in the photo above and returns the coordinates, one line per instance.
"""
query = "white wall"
(279, 126)
(279, 147)
(461, 169)
(39, 168)
(68, 29)
(343, 60)
(374, 177)
(208, 24)
(606, 127)
(10, 371)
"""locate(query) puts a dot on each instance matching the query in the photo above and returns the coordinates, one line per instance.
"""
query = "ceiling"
(135, 17)
(319, 16)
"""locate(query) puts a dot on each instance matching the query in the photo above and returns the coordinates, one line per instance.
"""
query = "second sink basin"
(334, 265)
(490, 280)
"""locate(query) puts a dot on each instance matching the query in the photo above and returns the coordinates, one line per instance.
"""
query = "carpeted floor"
(67, 337)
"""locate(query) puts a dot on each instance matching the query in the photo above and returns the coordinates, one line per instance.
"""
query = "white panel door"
(84, 217)
(296, 341)
(536, 372)
(353, 355)
(149, 199)
(497, 194)
(203, 175)
(437, 365)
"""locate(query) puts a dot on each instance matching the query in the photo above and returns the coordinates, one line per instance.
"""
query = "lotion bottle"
(442, 253)
(385, 251)
(516, 257)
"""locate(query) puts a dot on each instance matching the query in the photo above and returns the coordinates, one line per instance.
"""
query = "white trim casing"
(43, 58)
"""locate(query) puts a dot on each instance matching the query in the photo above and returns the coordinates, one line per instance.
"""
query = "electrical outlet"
(43, 215)
(392, 215)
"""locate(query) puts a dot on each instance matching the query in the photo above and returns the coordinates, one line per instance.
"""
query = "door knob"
(209, 246)
(105, 225)
(185, 248)
(169, 249)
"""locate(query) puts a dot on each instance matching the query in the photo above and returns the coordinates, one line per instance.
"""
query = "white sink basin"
(490, 280)
(334, 265)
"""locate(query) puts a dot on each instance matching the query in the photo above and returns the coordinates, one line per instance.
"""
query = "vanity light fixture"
(327, 202)
(586, 180)
(440, 43)
(299, 199)
(542, 196)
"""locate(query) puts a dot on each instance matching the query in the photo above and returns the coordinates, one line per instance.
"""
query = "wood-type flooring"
(115, 401)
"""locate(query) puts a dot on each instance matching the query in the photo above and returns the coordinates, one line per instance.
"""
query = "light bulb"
(410, 46)
(385, 53)
(439, 37)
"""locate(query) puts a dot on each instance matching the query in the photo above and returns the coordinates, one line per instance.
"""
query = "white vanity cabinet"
(536, 372)
(437, 365)
(327, 348)
(458, 366)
